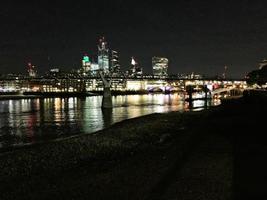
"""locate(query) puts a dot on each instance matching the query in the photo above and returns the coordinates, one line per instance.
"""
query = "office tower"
(160, 66)
(103, 55)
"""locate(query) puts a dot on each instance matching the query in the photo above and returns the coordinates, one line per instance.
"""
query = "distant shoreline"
(33, 95)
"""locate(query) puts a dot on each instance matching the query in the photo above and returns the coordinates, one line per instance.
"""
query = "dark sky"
(196, 36)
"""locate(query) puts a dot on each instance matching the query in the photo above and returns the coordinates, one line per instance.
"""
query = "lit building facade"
(103, 55)
(32, 70)
(160, 66)
(135, 69)
(115, 67)
(94, 69)
(86, 64)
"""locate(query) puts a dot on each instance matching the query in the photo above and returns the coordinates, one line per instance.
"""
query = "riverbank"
(159, 156)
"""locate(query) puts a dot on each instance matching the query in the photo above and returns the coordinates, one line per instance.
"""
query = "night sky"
(200, 37)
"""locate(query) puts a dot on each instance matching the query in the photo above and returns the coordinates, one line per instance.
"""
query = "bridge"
(231, 91)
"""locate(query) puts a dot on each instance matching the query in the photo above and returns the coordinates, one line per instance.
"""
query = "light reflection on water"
(33, 120)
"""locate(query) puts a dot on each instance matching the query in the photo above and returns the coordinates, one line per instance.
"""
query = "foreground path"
(206, 173)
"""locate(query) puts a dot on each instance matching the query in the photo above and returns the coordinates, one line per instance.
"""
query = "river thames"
(28, 121)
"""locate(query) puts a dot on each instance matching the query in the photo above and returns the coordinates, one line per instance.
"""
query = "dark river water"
(28, 121)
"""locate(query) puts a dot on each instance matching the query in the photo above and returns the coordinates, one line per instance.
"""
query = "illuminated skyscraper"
(115, 64)
(160, 66)
(135, 70)
(32, 70)
(103, 55)
(86, 64)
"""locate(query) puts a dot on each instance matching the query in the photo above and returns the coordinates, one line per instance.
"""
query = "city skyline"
(200, 37)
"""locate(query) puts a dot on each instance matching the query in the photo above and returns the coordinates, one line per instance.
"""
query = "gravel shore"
(200, 155)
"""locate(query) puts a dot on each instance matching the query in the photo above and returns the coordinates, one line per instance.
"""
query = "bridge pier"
(206, 90)
(107, 98)
(190, 98)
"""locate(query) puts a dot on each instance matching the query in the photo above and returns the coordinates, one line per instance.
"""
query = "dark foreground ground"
(214, 154)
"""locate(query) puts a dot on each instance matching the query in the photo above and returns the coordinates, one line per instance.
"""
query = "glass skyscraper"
(103, 55)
